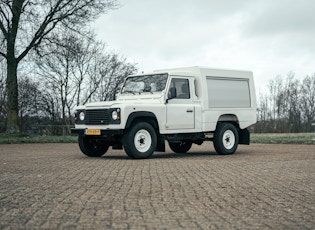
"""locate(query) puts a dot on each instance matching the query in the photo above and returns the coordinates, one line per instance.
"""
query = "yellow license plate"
(92, 132)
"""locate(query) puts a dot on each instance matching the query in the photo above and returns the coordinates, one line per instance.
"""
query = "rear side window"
(228, 93)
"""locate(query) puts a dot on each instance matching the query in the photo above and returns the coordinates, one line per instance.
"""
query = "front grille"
(97, 117)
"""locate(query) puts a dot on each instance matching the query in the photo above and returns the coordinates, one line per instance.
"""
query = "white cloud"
(268, 37)
(282, 16)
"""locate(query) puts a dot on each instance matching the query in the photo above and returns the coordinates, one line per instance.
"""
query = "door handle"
(189, 110)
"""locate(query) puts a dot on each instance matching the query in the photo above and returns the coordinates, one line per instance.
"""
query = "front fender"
(144, 116)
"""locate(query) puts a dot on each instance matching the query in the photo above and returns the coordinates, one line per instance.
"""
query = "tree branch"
(2, 28)
(51, 20)
(3, 55)
(12, 32)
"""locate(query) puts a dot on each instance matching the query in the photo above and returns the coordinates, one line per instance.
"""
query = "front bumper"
(106, 132)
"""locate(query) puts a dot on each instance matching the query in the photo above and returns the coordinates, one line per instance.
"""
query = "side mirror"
(171, 94)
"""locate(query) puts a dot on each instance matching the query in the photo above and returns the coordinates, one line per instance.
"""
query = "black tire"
(225, 139)
(92, 147)
(180, 147)
(140, 141)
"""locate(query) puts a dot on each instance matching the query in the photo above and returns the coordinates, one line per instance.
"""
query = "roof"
(206, 71)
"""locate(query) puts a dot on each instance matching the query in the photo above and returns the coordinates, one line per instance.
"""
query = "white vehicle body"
(182, 105)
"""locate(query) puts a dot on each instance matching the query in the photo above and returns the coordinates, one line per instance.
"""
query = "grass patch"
(23, 138)
(283, 138)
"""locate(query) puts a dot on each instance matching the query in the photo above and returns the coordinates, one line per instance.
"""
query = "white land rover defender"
(183, 106)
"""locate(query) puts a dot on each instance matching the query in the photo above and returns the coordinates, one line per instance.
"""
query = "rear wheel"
(140, 141)
(92, 147)
(225, 138)
(180, 147)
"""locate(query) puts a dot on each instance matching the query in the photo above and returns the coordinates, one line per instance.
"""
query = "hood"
(102, 104)
(97, 105)
(121, 101)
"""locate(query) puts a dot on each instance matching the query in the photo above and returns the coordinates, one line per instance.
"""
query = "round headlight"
(114, 115)
(81, 116)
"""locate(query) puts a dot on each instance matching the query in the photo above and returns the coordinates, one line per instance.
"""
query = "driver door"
(180, 111)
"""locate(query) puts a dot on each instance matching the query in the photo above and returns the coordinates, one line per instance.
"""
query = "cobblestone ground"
(54, 186)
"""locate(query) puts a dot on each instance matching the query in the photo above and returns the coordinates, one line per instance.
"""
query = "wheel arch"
(229, 118)
(148, 117)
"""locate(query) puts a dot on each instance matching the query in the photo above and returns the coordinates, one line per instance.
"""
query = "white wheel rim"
(228, 139)
(142, 140)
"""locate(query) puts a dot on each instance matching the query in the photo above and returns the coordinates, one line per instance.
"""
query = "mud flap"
(160, 147)
(244, 137)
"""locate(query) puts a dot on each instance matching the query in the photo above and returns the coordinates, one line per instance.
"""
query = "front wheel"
(225, 138)
(92, 147)
(140, 141)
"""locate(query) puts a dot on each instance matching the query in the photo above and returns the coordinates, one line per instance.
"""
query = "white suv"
(184, 106)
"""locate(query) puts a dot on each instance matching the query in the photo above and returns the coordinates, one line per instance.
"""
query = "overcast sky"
(269, 37)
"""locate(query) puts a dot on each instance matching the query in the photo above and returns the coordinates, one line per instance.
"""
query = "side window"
(179, 88)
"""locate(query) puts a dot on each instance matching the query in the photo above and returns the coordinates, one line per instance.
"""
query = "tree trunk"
(12, 64)
(12, 90)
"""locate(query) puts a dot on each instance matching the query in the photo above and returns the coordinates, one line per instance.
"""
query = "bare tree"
(29, 98)
(3, 96)
(292, 104)
(37, 106)
(263, 114)
(79, 69)
(275, 102)
(289, 106)
(308, 101)
(56, 69)
(114, 69)
(27, 24)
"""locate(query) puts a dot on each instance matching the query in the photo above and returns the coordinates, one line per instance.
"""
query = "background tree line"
(288, 106)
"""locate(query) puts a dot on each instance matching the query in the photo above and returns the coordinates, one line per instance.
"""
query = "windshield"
(145, 83)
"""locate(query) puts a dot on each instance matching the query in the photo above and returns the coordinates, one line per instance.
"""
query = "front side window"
(145, 83)
(179, 89)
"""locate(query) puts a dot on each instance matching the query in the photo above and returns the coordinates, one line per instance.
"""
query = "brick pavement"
(54, 186)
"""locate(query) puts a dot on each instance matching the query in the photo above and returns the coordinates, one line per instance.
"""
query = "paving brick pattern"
(54, 186)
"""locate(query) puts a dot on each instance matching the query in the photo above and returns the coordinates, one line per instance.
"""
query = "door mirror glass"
(172, 93)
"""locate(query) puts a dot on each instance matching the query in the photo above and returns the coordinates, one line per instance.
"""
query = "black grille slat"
(97, 117)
